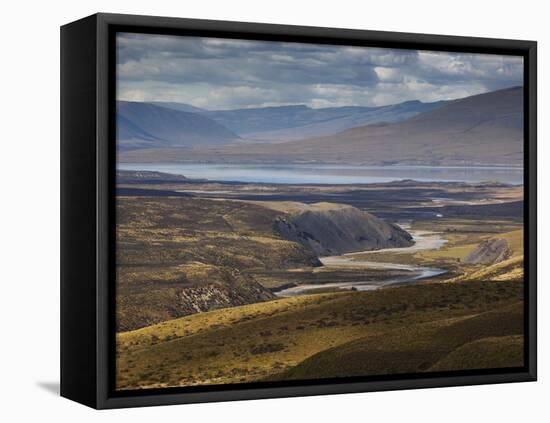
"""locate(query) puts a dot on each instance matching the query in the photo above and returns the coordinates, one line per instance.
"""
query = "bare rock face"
(198, 288)
(340, 229)
(237, 290)
(491, 251)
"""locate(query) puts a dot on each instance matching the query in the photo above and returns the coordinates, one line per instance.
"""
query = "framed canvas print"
(256, 211)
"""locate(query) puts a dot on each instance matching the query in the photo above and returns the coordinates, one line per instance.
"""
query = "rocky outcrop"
(237, 289)
(331, 229)
(491, 251)
(197, 288)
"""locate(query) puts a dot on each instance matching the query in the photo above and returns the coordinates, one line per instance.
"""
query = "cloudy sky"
(215, 73)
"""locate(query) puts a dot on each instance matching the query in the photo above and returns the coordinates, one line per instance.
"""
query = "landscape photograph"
(292, 212)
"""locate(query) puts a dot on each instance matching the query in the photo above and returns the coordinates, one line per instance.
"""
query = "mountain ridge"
(274, 124)
(145, 125)
(485, 128)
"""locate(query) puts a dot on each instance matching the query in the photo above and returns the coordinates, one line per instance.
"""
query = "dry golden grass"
(168, 245)
(265, 340)
(515, 241)
(485, 353)
(258, 341)
(458, 343)
(292, 207)
(507, 270)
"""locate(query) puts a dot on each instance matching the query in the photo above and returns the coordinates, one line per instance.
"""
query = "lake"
(331, 174)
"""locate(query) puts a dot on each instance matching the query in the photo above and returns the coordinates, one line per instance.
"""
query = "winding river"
(423, 240)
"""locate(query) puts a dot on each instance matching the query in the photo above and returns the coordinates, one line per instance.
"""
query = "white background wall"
(29, 208)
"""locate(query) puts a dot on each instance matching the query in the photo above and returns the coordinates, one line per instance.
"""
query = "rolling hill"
(410, 349)
(329, 229)
(279, 124)
(481, 129)
(185, 255)
(395, 330)
(144, 125)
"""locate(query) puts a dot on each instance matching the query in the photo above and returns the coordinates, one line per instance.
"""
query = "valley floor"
(469, 317)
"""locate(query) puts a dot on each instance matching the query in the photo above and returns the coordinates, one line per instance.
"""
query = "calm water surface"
(330, 174)
(423, 241)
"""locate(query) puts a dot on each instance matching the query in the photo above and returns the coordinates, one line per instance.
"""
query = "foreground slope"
(431, 346)
(323, 335)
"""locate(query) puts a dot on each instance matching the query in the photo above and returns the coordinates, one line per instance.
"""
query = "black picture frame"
(87, 208)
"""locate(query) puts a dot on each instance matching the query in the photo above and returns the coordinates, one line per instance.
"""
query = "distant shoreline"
(331, 174)
(324, 164)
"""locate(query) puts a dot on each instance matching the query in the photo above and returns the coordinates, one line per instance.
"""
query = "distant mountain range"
(154, 124)
(182, 107)
(145, 125)
(485, 128)
(285, 123)
(480, 129)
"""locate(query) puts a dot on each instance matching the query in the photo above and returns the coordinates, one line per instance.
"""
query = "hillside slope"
(410, 349)
(177, 106)
(183, 255)
(174, 291)
(144, 125)
(330, 229)
(491, 251)
(485, 128)
(414, 326)
(285, 123)
(511, 269)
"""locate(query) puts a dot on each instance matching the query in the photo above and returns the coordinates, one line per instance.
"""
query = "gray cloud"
(216, 73)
